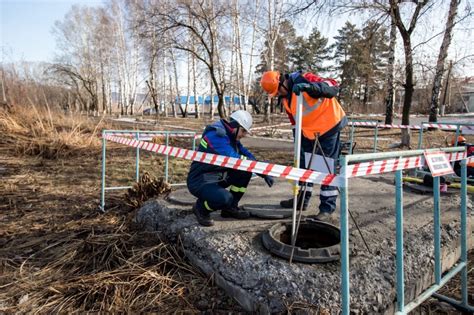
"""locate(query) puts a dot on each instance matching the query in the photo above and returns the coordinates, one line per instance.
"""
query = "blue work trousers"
(331, 148)
(215, 196)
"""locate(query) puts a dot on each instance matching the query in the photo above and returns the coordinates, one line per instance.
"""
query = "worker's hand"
(302, 87)
(269, 180)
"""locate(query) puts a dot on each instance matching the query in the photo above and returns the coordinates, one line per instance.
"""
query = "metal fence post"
(102, 193)
(351, 137)
(344, 205)
(399, 241)
(375, 137)
(166, 158)
(437, 228)
(464, 231)
(137, 162)
(420, 137)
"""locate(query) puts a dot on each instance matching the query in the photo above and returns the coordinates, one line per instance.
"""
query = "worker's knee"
(226, 200)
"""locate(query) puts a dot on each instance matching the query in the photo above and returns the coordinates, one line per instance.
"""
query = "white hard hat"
(244, 119)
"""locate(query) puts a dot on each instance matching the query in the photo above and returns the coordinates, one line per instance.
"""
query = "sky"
(26, 25)
(26, 30)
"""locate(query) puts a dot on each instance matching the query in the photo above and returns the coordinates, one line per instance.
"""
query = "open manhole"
(316, 242)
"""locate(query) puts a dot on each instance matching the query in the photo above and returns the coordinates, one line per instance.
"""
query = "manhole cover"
(316, 242)
(266, 211)
(182, 196)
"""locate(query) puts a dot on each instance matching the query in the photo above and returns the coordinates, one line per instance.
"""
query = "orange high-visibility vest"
(319, 114)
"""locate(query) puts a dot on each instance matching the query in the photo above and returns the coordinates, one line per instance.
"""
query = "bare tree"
(272, 27)
(390, 96)
(248, 87)
(443, 53)
(205, 16)
(407, 47)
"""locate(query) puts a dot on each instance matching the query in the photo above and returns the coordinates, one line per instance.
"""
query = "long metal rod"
(437, 230)
(300, 213)
(344, 226)
(399, 241)
(339, 191)
(429, 292)
(298, 122)
(459, 305)
(148, 131)
(396, 154)
(118, 187)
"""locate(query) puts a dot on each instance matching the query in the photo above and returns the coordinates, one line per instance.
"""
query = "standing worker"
(323, 119)
(209, 182)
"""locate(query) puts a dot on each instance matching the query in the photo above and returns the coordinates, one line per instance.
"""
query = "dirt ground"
(58, 253)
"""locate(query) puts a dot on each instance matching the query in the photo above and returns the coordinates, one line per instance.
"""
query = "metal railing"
(460, 266)
(139, 135)
(458, 127)
(352, 131)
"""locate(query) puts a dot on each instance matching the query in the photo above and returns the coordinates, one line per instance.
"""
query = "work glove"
(302, 87)
(267, 178)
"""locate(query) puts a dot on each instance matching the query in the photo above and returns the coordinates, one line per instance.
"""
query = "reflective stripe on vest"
(319, 115)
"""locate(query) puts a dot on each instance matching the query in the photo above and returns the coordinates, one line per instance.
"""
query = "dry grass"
(58, 253)
(29, 131)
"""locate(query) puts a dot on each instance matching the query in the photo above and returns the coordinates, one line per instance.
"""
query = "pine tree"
(347, 54)
(309, 54)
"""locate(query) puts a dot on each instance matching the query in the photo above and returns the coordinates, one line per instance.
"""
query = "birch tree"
(274, 20)
(443, 53)
(206, 16)
(390, 96)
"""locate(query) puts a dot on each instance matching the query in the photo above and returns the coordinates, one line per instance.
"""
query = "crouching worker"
(209, 183)
(461, 142)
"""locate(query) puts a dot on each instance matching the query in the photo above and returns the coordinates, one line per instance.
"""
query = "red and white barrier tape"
(391, 165)
(143, 135)
(394, 126)
(275, 170)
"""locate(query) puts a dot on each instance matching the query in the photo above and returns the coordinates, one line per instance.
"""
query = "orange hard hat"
(461, 140)
(270, 82)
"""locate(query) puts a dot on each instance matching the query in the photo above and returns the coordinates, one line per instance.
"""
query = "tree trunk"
(390, 97)
(443, 53)
(196, 103)
(409, 88)
(406, 36)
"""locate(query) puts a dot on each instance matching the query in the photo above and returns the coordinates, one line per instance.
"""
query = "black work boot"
(289, 202)
(235, 212)
(203, 216)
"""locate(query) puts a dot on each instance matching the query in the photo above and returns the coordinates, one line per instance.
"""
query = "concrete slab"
(232, 252)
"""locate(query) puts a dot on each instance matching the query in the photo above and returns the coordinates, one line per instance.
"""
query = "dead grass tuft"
(147, 188)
